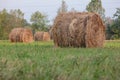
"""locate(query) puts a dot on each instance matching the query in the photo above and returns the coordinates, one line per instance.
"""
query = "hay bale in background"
(78, 30)
(14, 36)
(21, 35)
(46, 36)
(42, 36)
(38, 36)
(26, 35)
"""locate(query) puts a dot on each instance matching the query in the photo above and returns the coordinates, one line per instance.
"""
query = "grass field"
(41, 61)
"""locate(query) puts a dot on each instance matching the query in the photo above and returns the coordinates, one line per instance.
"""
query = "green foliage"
(10, 20)
(3, 22)
(40, 61)
(114, 28)
(109, 33)
(96, 6)
(39, 21)
(63, 7)
(117, 14)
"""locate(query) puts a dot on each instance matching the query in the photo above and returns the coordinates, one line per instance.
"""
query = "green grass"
(41, 61)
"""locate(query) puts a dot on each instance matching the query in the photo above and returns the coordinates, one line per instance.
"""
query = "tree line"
(15, 18)
(39, 21)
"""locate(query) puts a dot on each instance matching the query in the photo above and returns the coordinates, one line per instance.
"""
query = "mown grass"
(41, 61)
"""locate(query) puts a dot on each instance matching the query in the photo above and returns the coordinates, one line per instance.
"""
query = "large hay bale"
(21, 35)
(42, 36)
(38, 36)
(78, 30)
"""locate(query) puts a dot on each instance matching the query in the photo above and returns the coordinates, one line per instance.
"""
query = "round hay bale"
(21, 35)
(26, 35)
(14, 36)
(46, 36)
(38, 36)
(42, 36)
(75, 29)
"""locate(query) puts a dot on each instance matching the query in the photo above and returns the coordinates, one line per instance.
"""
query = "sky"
(50, 7)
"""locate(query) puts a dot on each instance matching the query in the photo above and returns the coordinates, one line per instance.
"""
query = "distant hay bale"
(14, 36)
(21, 35)
(78, 30)
(38, 36)
(26, 35)
(42, 36)
(46, 36)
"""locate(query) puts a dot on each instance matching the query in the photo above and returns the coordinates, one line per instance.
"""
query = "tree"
(10, 20)
(39, 21)
(108, 24)
(3, 19)
(63, 7)
(117, 14)
(96, 6)
(25, 23)
(17, 18)
(113, 29)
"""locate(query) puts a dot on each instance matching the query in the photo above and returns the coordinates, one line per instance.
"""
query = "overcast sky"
(50, 7)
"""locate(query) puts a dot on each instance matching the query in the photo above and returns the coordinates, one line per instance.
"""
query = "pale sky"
(50, 7)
